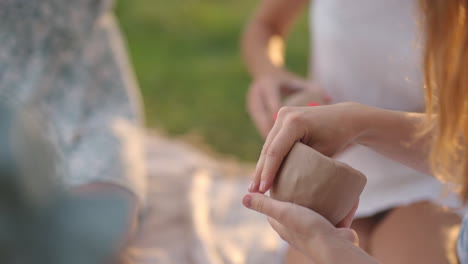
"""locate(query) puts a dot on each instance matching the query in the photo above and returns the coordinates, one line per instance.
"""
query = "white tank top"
(367, 51)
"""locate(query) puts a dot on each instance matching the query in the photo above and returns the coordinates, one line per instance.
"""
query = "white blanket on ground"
(194, 212)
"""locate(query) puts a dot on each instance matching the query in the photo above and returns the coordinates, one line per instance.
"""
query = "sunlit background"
(187, 59)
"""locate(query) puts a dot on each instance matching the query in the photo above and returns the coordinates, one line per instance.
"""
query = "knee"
(409, 232)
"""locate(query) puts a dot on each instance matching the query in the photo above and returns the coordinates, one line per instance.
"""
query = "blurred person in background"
(66, 60)
(432, 142)
(367, 52)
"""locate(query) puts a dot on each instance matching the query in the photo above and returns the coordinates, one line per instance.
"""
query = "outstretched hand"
(309, 232)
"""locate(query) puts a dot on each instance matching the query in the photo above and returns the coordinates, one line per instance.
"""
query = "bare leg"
(417, 233)
(363, 228)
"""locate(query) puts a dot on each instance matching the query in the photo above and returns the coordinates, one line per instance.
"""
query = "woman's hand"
(327, 129)
(266, 92)
(309, 232)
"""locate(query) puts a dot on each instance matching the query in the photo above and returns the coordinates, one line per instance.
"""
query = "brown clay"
(326, 186)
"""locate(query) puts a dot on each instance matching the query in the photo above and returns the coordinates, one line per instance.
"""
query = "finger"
(349, 234)
(272, 97)
(294, 218)
(255, 185)
(258, 112)
(326, 97)
(323, 93)
(348, 220)
(291, 216)
(275, 154)
(267, 206)
(294, 85)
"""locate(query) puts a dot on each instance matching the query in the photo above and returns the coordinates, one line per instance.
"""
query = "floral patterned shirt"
(66, 60)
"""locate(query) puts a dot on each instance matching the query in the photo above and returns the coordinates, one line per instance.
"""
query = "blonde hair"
(446, 83)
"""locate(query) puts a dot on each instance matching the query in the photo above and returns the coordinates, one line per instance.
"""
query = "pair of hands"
(327, 129)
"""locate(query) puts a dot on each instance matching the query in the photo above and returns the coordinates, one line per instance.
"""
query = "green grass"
(187, 60)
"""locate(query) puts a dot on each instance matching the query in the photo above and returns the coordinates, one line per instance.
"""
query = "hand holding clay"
(312, 180)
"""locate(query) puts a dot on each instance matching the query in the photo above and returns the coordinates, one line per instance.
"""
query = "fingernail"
(251, 186)
(247, 201)
(313, 104)
(262, 186)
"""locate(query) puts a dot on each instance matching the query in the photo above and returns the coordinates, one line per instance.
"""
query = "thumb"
(349, 234)
(267, 206)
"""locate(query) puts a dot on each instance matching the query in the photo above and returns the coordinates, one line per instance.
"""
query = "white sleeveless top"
(367, 51)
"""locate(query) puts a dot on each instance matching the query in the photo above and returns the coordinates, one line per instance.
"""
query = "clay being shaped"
(322, 184)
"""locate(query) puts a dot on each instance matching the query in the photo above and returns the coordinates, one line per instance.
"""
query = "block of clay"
(303, 98)
(310, 179)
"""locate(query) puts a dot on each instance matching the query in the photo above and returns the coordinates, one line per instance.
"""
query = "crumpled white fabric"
(194, 212)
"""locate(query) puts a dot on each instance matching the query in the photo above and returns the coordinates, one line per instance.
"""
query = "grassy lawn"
(187, 60)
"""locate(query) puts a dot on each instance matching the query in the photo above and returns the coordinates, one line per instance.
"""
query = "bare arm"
(393, 134)
(396, 135)
(263, 38)
(263, 51)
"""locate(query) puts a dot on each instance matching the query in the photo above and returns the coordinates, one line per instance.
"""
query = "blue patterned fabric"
(462, 246)
(64, 59)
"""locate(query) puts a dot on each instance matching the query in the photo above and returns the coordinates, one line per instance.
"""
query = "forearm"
(396, 135)
(338, 250)
(258, 43)
(263, 38)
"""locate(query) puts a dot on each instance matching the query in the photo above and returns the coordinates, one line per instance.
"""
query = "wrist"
(317, 247)
(370, 124)
(268, 71)
(356, 119)
(327, 248)
(333, 248)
